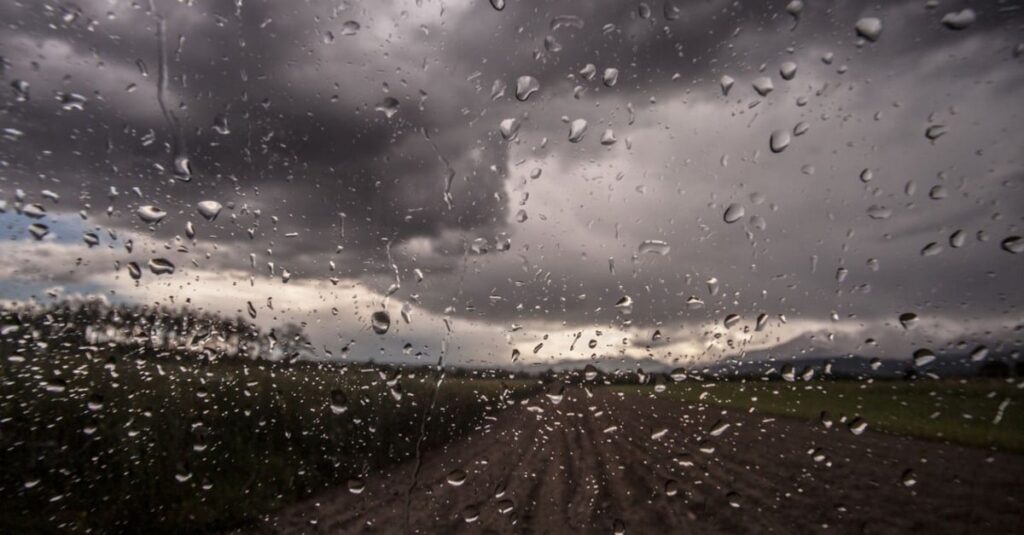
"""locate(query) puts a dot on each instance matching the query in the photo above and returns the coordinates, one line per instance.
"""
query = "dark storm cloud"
(309, 152)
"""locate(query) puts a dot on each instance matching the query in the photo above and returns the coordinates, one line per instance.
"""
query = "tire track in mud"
(563, 473)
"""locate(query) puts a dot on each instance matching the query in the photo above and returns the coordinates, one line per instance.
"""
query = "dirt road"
(598, 465)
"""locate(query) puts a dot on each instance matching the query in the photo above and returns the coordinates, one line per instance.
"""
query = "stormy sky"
(357, 145)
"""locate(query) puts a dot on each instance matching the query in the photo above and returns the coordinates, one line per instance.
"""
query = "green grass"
(251, 436)
(958, 411)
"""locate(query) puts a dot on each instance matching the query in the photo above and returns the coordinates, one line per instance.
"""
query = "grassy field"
(959, 411)
(103, 444)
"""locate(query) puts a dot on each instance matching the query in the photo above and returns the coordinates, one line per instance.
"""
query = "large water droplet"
(356, 485)
(182, 168)
(526, 86)
(350, 27)
(869, 28)
(908, 319)
(726, 82)
(957, 239)
(787, 70)
(161, 266)
(923, 357)
(610, 77)
(733, 213)
(388, 106)
(498, 4)
(35, 211)
(380, 321)
(577, 129)
(456, 478)
(763, 85)
(21, 90)
(210, 209)
(779, 140)
(657, 247)
(877, 211)
(932, 249)
(339, 401)
(1013, 244)
(909, 478)
(959, 20)
(150, 214)
(935, 131)
(671, 10)
(508, 128)
(134, 271)
(857, 426)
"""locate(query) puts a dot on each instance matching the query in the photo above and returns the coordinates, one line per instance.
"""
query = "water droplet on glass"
(763, 85)
(877, 211)
(526, 86)
(733, 213)
(957, 239)
(719, 428)
(456, 478)
(21, 90)
(923, 357)
(624, 305)
(134, 271)
(1013, 244)
(857, 426)
(959, 20)
(938, 193)
(779, 141)
(932, 249)
(610, 77)
(220, 124)
(380, 321)
(356, 485)
(161, 266)
(339, 401)
(150, 214)
(210, 209)
(349, 27)
(657, 247)
(671, 10)
(726, 82)
(498, 4)
(935, 131)
(787, 70)
(979, 354)
(388, 106)
(731, 320)
(577, 129)
(869, 28)
(608, 137)
(182, 168)
(908, 320)
(508, 128)
(909, 478)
